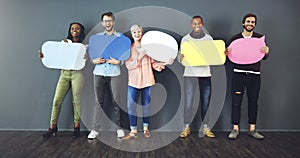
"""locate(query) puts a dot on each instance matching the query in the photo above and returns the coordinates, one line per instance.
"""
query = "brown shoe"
(147, 133)
(131, 135)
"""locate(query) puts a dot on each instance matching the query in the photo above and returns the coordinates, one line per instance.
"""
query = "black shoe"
(50, 132)
(76, 132)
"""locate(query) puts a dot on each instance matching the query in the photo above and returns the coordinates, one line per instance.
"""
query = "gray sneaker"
(233, 134)
(255, 135)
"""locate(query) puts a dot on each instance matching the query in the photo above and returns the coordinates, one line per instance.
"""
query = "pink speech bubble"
(246, 50)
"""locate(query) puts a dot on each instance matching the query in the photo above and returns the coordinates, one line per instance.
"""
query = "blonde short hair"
(135, 26)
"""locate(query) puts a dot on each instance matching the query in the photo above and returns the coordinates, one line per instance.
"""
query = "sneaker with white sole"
(120, 133)
(93, 134)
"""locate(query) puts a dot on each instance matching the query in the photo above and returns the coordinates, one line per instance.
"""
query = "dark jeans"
(251, 82)
(190, 84)
(101, 83)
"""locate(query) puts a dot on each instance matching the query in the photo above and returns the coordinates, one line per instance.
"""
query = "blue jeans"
(133, 95)
(190, 84)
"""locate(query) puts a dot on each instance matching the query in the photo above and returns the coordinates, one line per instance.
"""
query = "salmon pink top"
(139, 65)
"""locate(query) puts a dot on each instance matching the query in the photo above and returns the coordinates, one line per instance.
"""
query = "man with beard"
(106, 74)
(247, 75)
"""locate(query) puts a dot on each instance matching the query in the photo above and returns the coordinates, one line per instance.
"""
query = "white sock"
(205, 126)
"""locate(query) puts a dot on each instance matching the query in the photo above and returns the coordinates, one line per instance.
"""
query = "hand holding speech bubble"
(109, 46)
(203, 52)
(160, 46)
(62, 55)
(246, 50)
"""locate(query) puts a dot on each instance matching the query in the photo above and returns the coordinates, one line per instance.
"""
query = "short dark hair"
(249, 15)
(198, 16)
(109, 14)
(82, 34)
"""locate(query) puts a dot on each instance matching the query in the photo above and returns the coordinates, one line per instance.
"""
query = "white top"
(196, 71)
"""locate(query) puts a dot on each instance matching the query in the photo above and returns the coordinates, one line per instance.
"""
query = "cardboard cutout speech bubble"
(62, 55)
(246, 50)
(160, 46)
(203, 52)
(109, 46)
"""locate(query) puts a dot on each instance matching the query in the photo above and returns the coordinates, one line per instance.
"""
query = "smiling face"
(108, 23)
(137, 34)
(75, 30)
(197, 25)
(249, 24)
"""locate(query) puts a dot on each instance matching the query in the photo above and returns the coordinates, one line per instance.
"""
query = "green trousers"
(69, 79)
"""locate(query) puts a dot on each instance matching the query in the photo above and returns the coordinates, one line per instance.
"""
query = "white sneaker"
(93, 134)
(120, 133)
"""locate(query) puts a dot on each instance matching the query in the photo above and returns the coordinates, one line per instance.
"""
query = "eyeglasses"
(107, 21)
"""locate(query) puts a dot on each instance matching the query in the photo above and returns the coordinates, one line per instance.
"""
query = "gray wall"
(27, 87)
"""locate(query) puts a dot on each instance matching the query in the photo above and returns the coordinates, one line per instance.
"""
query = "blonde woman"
(140, 80)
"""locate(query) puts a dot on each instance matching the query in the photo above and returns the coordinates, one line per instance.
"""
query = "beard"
(248, 30)
(197, 35)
